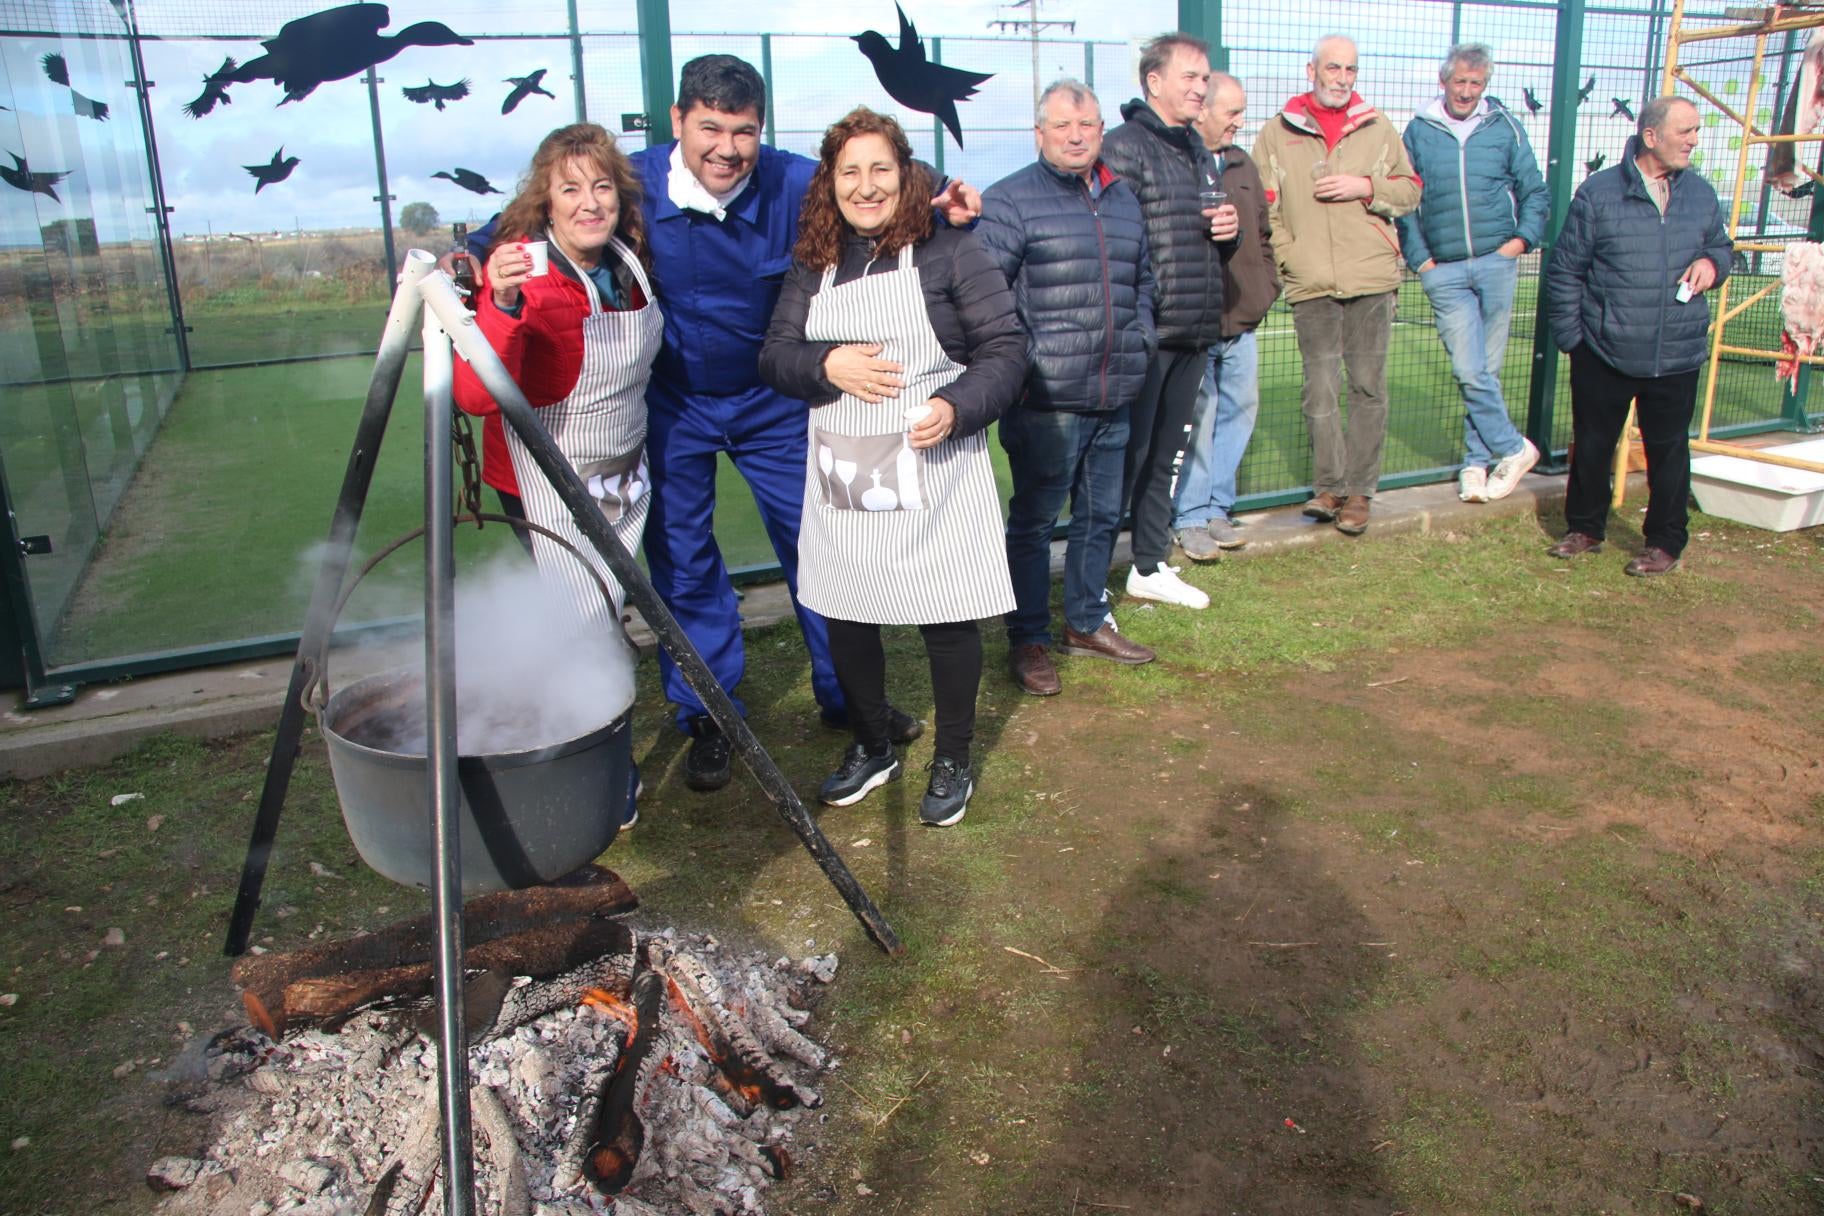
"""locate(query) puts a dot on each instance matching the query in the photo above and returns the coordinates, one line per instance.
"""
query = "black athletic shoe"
(946, 797)
(902, 727)
(860, 772)
(706, 765)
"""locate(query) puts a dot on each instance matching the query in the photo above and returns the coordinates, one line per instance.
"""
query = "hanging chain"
(462, 434)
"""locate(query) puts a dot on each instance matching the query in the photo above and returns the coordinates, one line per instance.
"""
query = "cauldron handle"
(315, 693)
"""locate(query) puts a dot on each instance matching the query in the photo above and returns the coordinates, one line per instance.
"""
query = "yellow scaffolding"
(1776, 20)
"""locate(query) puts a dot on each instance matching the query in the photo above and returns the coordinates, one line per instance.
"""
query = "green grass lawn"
(1497, 877)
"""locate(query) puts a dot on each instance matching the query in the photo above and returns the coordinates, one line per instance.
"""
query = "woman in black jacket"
(903, 339)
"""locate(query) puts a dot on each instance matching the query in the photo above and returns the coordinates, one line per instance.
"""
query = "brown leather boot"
(1353, 518)
(1324, 507)
(1033, 671)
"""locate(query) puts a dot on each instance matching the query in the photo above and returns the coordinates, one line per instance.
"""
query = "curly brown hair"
(529, 213)
(820, 223)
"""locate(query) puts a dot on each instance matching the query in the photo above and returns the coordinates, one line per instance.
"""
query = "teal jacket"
(1505, 195)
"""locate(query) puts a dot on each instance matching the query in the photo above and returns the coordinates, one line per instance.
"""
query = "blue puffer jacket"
(1081, 279)
(1506, 198)
(1613, 274)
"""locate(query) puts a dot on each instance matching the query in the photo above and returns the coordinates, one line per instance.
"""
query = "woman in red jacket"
(577, 326)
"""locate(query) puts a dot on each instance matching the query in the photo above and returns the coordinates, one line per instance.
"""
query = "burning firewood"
(540, 953)
(699, 997)
(592, 893)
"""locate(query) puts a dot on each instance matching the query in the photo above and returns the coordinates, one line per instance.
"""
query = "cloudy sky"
(817, 75)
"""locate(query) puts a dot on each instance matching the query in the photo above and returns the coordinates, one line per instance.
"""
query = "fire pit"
(669, 1074)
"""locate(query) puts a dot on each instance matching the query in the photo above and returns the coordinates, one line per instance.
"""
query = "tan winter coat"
(1335, 249)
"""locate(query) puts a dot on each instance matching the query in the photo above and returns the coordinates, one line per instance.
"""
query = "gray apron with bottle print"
(892, 535)
(601, 428)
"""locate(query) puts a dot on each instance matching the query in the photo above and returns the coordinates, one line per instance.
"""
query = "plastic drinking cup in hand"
(1320, 170)
(540, 253)
(916, 414)
(1684, 293)
(1210, 200)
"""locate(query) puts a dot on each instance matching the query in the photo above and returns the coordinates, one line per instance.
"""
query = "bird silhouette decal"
(524, 87)
(21, 177)
(1583, 94)
(1621, 108)
(331, 45)
(1533, 105)
(469, 180)
(59, 73)
(432, 93)
(1595, 162)
(277, 170)
(914, 81)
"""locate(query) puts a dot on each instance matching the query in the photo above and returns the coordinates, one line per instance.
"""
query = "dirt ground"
(1526, 923)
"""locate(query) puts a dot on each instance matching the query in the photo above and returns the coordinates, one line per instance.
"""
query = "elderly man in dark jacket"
(1162, 158)
(1624, 292)
(1071, 241)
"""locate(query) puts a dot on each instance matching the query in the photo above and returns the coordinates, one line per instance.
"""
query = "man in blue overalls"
(721, 216)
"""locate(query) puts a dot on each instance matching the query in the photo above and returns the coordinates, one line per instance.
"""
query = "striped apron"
(601, 428)
(892, 535)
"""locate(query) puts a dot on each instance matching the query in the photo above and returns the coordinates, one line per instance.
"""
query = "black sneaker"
(706, 765)
(902, 727)
(859, 772)
(947, 794)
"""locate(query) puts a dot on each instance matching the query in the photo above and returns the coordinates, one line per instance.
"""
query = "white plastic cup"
(1320, 170)
(540, 252)
(1211, 200)
(916, 414)
(1684, 293)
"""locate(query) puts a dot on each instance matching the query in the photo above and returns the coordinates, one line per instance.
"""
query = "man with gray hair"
(1624, 288)
(1190, 231)
(1071, 241)
(1337, 175)
(1484, 204)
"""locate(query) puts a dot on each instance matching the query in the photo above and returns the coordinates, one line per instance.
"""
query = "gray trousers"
(1334, 335)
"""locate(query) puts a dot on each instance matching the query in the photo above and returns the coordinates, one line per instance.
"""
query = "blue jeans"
(1473, 301)
(1056, 455)
(1227, 405)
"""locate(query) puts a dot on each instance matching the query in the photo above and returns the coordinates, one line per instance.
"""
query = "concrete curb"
(106, 722)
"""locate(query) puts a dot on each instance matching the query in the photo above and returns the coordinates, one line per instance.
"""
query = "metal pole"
(384, 198)
(440, 774)
(161, 213)
(576, 64)
(655, 66)
(389, 366)
(766, 78)
(440, 297)
(1560, 163)
(937, 124)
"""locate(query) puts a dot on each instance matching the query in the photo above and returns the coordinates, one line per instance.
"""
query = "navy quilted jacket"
(1613, 274)
(1166, 166)
(1081, 280)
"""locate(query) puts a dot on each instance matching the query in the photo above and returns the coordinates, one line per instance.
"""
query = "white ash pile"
(672, 1079)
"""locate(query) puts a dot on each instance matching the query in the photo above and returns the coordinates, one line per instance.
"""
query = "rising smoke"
(529, 672)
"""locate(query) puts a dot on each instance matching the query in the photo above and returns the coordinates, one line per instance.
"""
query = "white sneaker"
(1165, 586)
(1472, 483)
(1510, 469)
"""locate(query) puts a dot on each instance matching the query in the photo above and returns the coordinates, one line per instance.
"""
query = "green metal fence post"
(655, 66)
(1203, 19)
(1089, 65)
(937, 124)
(1560, 163)
(576, 64)
(766, 77)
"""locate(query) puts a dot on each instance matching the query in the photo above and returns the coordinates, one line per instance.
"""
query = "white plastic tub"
(1762, 495)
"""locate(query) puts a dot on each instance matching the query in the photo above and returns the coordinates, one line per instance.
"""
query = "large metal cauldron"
(528, 817)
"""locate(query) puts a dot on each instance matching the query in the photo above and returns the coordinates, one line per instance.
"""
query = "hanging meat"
(1803, 116)
(1802, 306)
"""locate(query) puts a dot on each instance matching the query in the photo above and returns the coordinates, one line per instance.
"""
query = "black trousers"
(955, 651)
(1599, 408)
(1161, 418)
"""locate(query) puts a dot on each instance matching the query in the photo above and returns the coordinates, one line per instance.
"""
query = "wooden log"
(699, 993)
(540, 953)
(512, 1197)
(592, 892)
(618, 1134)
